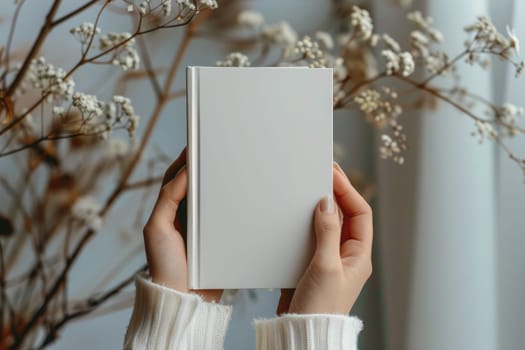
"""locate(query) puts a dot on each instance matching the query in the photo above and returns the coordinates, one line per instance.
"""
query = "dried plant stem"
(164, 98)
(83, 61)
(459, 107)
(44, 31)
(10, 41)
(51, 293)
(143, 183)
(74, 13)
(92, 304)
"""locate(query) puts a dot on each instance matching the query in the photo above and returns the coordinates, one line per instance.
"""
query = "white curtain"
(451, 228)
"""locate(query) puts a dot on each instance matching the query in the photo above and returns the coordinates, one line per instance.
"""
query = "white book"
(259, 160)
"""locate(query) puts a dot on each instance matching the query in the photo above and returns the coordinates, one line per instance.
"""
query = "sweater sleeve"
(312, 332)
(164, 318)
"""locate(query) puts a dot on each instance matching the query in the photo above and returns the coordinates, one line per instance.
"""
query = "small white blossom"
(88, 105)
(166, 7)
(51, 80)
(398, 62)
(407, 63)
(122, 109)
(392, 61)
(361, 22)
(234, 59)
(99, 118)
(58, 110)
(250, 18)
(325, 39)
(424, 25)
(87, 210)
(390, 148)
(85, 31)
(507, 116)
(484, 130)
(309, 50)
(486, 34)
(391, 43)
(210, 3)
(280, 33)
(186, 4)
(125, 55)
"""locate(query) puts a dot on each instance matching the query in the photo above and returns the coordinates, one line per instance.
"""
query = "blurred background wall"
(449, 267)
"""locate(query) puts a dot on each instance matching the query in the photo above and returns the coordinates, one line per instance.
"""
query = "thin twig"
(143, 183)
(92, 304)
(73, 13)
(464, 110)
(44, 31)
(10, 40)
(86, 237)
(149, 68)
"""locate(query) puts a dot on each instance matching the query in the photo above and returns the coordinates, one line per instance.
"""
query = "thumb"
(327, 228)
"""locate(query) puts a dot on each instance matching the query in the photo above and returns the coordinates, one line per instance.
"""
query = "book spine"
(192, 107)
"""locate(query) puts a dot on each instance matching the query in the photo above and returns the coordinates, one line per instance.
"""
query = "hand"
(342, 260)
(165, 248)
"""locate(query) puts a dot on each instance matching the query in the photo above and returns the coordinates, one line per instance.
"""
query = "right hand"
(165, 247)
(342, 261)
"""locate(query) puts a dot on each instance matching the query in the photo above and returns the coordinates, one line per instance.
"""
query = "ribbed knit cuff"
(164, 318)
(308, 332)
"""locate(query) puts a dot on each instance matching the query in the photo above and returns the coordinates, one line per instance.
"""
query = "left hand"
(165, 248)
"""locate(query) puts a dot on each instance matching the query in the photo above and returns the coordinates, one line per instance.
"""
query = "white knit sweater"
(164, 318)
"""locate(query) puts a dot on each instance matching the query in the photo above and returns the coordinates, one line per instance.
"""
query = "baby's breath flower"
(398, 63)
(486, 35)
(325, 39)
(250, 18)
(51, 80)
(425, 32)
(166, 7)
(407, 63)
(307, 52)
(484, 130)
(123, 111)
(234, 59)
(186, 4)
(507, 116)
(88, 105)
(391, 43)
(280, 33)
(85, 31)
(392, 61)
(125, 55)
(58, 110)
(379, 112)
(390, 148)
(87, 210)
(361, 22)
(210, 3)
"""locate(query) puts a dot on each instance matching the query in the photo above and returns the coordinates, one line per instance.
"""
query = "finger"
(356, 211)
(284, 301)
(327, 228)
(171, 194)
(174, 167)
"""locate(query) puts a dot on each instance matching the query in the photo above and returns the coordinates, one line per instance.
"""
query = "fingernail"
(327, 205)
(338, 167)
